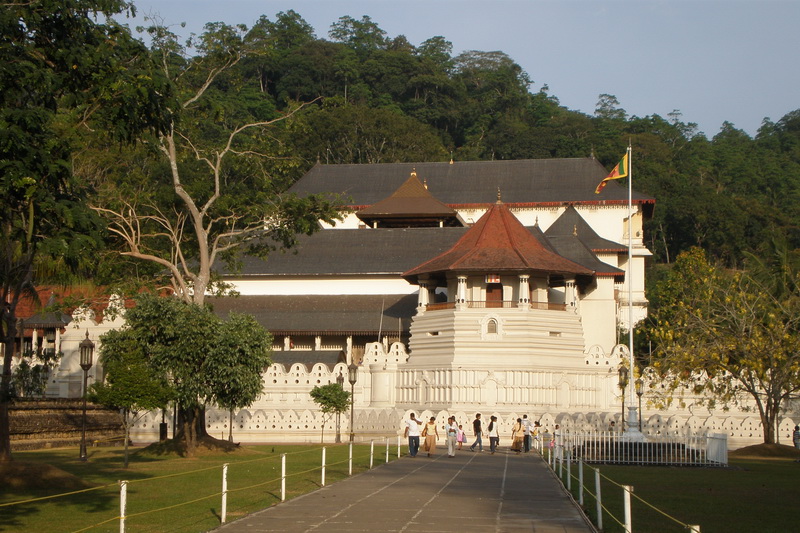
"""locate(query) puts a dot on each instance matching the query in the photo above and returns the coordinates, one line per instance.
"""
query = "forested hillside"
(376, 98)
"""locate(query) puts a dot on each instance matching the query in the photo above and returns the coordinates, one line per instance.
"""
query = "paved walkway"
(471, 492)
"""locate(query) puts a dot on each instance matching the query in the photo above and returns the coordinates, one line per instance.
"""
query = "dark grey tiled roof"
(572, 223)
(47, 320)
(355, 251)
(381, 251)
(324, 314)
(529, 181)
(574, 249)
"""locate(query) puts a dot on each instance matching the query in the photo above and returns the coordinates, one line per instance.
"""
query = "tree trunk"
(10, 331)
(767, 414)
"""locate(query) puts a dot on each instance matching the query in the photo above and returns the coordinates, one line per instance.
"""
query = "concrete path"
(467, 493)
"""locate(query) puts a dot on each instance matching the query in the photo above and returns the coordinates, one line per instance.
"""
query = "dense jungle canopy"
(381, 99)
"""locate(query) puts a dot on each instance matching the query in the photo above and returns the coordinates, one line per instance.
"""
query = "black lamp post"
(352, 377)
(50, 337)
(87, 351)
(623, 384)
(639, 384)
(340, 382)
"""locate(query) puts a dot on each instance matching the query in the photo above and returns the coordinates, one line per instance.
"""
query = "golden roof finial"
(425, 183)
(575, 230)
(499, 197)
(414, 172)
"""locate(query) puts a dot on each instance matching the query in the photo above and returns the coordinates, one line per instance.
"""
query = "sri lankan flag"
(620, 171)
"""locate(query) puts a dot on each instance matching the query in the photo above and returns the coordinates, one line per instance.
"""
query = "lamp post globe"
(86, 353)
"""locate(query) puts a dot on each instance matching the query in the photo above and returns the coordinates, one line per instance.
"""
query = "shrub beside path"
(476, 491)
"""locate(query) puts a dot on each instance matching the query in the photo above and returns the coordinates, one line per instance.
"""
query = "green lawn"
(160, 486)
(752, 494)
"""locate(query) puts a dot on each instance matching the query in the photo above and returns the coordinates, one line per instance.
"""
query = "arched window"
(491, 326)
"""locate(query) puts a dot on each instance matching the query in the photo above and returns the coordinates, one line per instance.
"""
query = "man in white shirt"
(526, 431)
(412, 432)
(452, 434)
(558, 443)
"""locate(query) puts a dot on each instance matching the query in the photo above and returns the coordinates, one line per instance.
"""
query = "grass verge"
(752, 494)
(165, 493)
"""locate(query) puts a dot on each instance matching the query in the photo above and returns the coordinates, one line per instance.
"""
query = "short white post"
(283, 477)
(387, 449)
(350, 461)
(224, 509)
(371, 453)
(569, 471)
(398, 446)
(123, 504)
(599, 499)
(627, 494)
(323, 466)
(580, 481)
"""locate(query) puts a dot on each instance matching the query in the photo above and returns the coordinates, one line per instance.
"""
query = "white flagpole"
(630, 275)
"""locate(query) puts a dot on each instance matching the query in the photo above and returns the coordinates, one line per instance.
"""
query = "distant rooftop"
(473, 183)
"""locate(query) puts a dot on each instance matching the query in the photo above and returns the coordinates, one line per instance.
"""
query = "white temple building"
(496, 287)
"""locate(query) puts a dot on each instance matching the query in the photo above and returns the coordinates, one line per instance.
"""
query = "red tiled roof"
(96, 298)
(411, 199)
(498, 242)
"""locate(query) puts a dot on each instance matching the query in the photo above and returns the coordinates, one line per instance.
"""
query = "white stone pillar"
(423, 297)
(461, 292)
(571, 295)
(524, 289)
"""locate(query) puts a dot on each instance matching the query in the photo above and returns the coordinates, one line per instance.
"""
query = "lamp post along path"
(87, 352)
(639, 384)
(340, 382)
(623, 384)
(352, 377)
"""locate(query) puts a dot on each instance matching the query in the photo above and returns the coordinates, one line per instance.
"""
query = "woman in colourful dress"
(517, 436)
(431, 435)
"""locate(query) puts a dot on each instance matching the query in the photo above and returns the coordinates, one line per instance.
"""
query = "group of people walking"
(522, 435)
(454, 435)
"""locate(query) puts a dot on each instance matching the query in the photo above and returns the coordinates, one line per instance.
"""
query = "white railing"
(616, 448)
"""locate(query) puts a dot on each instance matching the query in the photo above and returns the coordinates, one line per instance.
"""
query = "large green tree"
(63, 66)
(205, 360)
(725, 338)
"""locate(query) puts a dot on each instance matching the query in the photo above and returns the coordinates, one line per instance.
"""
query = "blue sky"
(713, 60)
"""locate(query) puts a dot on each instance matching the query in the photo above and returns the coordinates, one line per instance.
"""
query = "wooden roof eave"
(334, 333)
